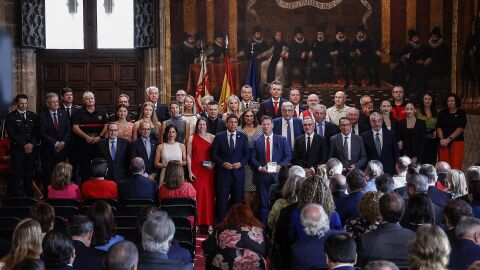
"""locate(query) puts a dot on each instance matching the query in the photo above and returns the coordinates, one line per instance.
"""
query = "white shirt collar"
(375, 132)
(348, 135)
(234, 133)
(285, 120)
(278, 100)
(268, 136)
(311, 135)
(22, 111)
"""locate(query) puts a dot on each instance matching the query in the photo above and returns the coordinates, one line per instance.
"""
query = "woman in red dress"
(201, 173)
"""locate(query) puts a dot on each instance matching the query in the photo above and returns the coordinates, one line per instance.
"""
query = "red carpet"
(199, 259)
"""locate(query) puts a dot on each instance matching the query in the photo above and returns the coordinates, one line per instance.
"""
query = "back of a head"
(356, 180)
(430, 249)
(30, 264)
(26, 242)
(473, 173)
(442, 167)
(374, 168)
(338, 182)
(466, 227)
(418, 182)
(334, 166)
(419, 210)
(122, 256)
(239, 215)
(429, 171)
(314, 220)
(315, 190)
(368, 207)
(137, 165)
(44, 214)
(340, 248)
(380, 265)
(402, 163)
(103, 220)
(79, 225)
(413, 168)
(456, 209)
(99, 167)
(384, 183)
(391, 207)
(58, 249)
(157, 232)
(474, 190)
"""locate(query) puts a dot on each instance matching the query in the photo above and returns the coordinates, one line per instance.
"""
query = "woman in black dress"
(411, 133)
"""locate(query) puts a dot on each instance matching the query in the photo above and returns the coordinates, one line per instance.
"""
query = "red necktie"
(267, 158)
(295, 112)
(275, 107)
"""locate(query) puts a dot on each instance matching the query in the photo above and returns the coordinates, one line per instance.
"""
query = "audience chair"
(18, 212)
(126, 221)
(18, 201)
(7, 226)
(65, 202)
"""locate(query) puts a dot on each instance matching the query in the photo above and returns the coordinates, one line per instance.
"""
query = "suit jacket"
(267, 108)
(316, 156)
(305, 252)
(438, 196)
(338, 196)
(464, 253)
(221, 153)
(215, 126)
(348, 206)
(297, 127)
(388, 242)
(20, 130)
(137, 186)
(363, 123)
(87, 258)
(330, 130)
(118, 167)
(389, 154)
(158, 261)
(49, 135)
(137, 149)
(281, 154)
(359, 157)
(73, 109)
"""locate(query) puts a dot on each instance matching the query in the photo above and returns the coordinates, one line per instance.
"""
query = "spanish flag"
(227, 86)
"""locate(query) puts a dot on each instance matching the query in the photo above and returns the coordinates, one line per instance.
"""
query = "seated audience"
(122, 256)
(341, 252)
(238, 241)
(401, 166)
(58, 251)
(157, 234)
(30, 264)
(467, 249)
(389, 241)
(86, 257)
(44, 214)
(380, 265)
(455, 183)
(472, 174)
(98, 186)
(137, 186)
(438, 197)
(369, 216)
(373, 170)
(418, 184)
(60, 187)
(334, 166)
(305, 252)
(104, 226)
(385, 183)
(26, 244)
(419, 211)
(174, 185)
(338, 187)
(452, 213)
(430, 249)
(442, 170)
(348, 207)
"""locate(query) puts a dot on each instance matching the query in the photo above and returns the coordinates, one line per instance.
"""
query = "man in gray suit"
(348, 147)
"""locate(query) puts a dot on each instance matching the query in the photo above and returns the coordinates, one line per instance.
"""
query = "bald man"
(338, 110)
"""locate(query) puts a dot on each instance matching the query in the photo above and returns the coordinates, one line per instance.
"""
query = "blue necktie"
(289, 133)
(320, 129)
(113, 150)
(232, 144)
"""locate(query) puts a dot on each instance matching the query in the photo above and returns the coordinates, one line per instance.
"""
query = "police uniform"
(91, 124)
(22, 128)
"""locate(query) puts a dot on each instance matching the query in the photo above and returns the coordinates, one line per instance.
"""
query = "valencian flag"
(227, 86)
(202, 85)
(252, 78)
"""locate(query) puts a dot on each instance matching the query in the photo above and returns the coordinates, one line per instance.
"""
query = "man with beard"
(216, 51)
(297, 57)
(410, 70)
(367, 56)
(259, 45)
(321, 69)
(341, 48)
(183, 55)
(272, 69)
(439, 53)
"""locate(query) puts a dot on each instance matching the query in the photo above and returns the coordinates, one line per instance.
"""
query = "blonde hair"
(230, 99)
(456, 183)
(194, 107)
(430, 249)
(153, 119)
(62, 173)
(26, 243)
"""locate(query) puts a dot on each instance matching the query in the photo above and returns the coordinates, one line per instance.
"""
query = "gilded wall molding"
(411, 20)
(386, 26)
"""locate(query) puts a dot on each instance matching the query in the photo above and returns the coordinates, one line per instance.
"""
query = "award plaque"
(207, 163)
(272, 167)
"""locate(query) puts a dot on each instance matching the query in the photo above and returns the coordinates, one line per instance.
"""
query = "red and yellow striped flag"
(227, 86)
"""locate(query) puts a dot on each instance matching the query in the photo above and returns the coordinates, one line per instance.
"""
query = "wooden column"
(189, 16)
(165, 55)
(411, 22)
(385, 29)
(232, 26)
(454, 46)
(210, 21)
(436, 14)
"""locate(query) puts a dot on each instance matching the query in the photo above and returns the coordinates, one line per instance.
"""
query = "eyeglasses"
(307, 125)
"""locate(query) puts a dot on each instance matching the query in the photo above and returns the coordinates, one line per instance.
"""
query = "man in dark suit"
(338, 186)
(22, 128)
(265, 149)
(389, 241)
(272, 106)
(215, 123)
(122, 255)
(54, 129)
(115, 151)
(366, 103)
(341, 251)
(310, 149)
(288, 126)
(438, 197)
(348, 206)
(324, 128)
(145, 148)
(467, 249)
(66, 95)
(137, 186)
(157, 234)
(86, 257)
(353, 114)
(230, 152)
(381, 144)
(295, 98)
(161, 110)
(348, 147)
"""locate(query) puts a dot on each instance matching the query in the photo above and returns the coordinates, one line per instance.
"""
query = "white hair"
(151, 88)
(87, 94)
(374, 168)
(334, 166)
(296, 170)
(157, 232)
(314, 220)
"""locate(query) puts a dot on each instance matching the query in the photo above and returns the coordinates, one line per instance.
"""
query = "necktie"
(267, 158)
(275, 107)
(320, 129)
(378, 144)
(289, 134)
(55, 121)
(23, 116)
(345, 148)
(147, 147)
(295, 114)
(247, 105)
(113, 151)
(232, 144)
(308, 144)
(68, 111)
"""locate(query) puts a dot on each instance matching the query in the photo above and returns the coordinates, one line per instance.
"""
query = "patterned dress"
(249, 185)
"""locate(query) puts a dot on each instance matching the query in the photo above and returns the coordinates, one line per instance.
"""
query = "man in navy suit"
(265, 149)
(272, 106)
(310, 149)
(348, 147)
(341, 251)
(230, 152)
(348, 206)
(380, 144)
(54, 129)
(145, 148)
(288, 126)
(115, 151)
(322, 127)
(160, 109)
(438, 197)
(86, 257)
(467, 249)
(137, 186)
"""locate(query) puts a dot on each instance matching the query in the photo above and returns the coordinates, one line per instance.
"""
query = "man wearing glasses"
(348, 147)
(310, 149)
(146, 148)
(366, 103)
(288, 126)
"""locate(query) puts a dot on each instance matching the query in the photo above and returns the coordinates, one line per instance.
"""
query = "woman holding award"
(201, 173)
